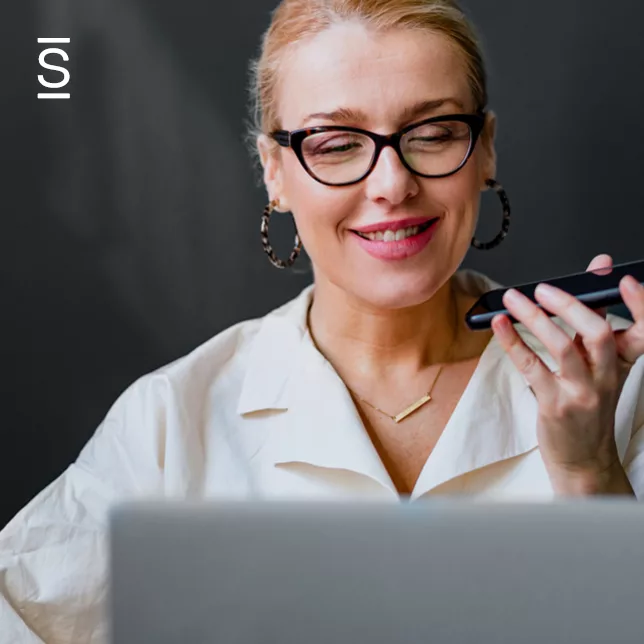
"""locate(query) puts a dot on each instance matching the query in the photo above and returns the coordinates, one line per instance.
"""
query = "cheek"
(460, 195)
(320, 209)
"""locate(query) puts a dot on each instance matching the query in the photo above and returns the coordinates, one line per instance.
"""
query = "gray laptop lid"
(437, 572)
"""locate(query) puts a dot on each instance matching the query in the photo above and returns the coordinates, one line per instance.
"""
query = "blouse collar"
(495, 419)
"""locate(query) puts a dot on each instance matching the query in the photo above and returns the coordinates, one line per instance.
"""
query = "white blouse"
(257, 411)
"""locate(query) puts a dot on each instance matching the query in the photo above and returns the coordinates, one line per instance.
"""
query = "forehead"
(350, 66)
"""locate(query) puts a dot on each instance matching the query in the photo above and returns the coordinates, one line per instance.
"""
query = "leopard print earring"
(266, 244)
(505, 224)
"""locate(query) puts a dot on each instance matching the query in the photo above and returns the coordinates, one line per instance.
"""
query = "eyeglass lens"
(431, 149)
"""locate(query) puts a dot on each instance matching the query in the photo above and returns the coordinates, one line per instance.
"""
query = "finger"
(529, 364)
(596, 333)
(632, 293)
(630, 342)
(599, 262)
(561, 347)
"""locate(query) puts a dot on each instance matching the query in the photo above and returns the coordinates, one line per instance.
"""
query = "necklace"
(412, 408)
(423, 400)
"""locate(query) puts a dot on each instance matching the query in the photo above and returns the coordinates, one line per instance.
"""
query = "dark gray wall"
(130, 213)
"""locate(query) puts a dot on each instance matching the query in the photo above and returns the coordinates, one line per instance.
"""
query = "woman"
(368, 385)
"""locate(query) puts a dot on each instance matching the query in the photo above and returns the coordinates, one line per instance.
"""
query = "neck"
(384, 343)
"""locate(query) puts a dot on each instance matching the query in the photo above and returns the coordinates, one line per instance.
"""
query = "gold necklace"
(423, 400)
(412, 408)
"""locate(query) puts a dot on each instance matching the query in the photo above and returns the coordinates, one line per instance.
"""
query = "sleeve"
(633, 461)
(53, 553)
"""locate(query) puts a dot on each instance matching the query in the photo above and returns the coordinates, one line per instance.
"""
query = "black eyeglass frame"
(295, 138)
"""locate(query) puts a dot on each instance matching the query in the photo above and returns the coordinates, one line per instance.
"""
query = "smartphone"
(596, 289)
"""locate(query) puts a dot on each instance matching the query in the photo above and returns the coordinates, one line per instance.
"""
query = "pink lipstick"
(396, 240)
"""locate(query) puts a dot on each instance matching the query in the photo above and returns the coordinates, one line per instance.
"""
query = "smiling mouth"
(397, 235)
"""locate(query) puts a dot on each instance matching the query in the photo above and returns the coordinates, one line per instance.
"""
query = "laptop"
(445, 572)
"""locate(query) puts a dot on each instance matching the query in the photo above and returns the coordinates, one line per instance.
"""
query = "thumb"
(596, 265)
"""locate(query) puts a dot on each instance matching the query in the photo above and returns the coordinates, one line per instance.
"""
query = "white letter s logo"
(43, 63)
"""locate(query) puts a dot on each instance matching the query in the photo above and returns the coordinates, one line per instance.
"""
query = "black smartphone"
(596, 289)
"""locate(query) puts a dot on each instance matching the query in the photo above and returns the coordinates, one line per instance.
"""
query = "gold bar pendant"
(412, 408)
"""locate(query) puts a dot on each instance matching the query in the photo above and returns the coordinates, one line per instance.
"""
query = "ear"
(488, 167)
(269, 154)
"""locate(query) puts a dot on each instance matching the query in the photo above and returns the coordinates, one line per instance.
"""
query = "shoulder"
(166, 417)
(219, 363)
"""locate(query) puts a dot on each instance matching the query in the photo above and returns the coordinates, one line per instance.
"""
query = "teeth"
(390, 235)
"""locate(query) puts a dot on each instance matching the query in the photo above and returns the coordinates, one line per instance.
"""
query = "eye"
(438, 133)
(331, 147)
(435, 138)
(332, 143)
(430, 133)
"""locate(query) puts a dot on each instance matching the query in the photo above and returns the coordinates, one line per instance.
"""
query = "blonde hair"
(294, 21)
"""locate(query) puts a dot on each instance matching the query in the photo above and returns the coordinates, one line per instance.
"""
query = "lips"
(390, 245)
(395, 225)
(390, 235)
(394, 231)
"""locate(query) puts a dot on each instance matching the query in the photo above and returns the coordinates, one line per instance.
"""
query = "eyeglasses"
(341, 156)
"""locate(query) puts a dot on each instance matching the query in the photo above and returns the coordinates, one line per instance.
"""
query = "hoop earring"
(266, 244)
(505, 224)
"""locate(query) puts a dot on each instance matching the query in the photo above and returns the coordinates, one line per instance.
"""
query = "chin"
(391, 293)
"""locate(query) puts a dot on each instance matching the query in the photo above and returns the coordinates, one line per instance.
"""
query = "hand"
(575, 426)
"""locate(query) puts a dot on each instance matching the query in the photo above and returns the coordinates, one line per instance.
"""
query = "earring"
(266, 244)
(505, 224)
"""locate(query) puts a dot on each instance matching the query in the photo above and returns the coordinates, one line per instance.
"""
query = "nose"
(390, 180)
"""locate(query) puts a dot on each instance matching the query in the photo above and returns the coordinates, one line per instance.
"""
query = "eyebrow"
(350, 115)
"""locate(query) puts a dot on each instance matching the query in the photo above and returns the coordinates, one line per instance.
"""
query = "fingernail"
(512, 296)
(632, 284)
(546, 292)
(501, 324)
